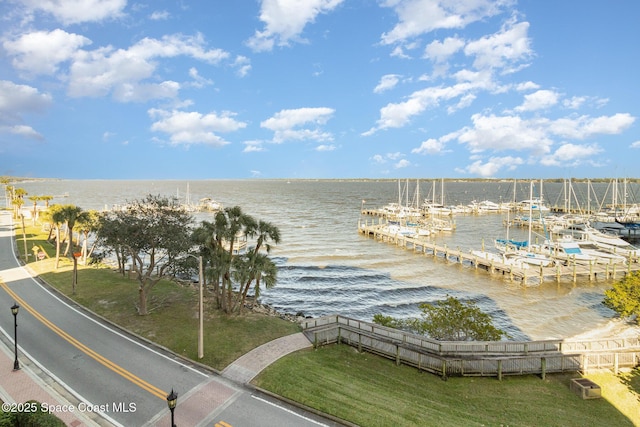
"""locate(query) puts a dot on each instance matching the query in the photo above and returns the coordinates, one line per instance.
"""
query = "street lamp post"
(201, 313)
(172, 401)
(200, 307)
(14, 310)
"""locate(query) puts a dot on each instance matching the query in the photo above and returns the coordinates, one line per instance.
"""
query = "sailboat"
(524, 250)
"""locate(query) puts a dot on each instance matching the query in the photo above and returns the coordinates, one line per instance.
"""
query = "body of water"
(327, 267)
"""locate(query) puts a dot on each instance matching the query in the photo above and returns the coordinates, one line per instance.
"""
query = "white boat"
(601, 256)
(208, 204)
(534, 205)
(434, 208)
(508, 259)
(487, 206)
(606, 242)
(566, 250)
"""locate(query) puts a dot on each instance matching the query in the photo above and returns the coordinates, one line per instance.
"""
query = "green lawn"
(372, 391)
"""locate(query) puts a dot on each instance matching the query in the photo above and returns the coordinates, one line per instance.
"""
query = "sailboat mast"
(530, 213)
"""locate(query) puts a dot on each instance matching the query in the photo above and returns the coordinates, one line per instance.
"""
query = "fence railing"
(491, 358)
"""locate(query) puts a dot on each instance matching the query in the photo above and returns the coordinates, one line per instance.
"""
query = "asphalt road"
(113, 373)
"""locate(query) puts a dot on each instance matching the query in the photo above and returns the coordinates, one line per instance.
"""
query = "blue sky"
(319, 89)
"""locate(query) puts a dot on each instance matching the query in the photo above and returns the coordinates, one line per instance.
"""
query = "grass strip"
(369, 390)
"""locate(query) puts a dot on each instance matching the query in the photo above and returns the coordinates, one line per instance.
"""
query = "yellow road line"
(99, 358)
(222, 424)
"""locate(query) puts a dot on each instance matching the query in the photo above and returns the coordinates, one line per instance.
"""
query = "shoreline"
(614, 328)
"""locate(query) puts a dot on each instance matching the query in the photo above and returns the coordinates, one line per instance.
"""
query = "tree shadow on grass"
(632, 381)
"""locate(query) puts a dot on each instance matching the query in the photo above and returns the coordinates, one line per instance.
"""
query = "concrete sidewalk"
(246, 367)
(30, 382)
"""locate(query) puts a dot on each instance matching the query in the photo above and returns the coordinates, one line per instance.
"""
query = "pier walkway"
(531, 276)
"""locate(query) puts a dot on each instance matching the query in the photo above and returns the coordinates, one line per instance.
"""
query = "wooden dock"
(528, 277)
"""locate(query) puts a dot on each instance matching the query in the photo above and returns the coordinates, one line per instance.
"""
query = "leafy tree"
(388, 321)
(624, 297)
(449, 320)
(155, 233)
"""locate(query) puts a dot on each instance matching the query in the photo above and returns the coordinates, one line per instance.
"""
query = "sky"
(273, 89)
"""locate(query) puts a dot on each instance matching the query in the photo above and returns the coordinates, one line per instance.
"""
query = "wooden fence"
(491, 358)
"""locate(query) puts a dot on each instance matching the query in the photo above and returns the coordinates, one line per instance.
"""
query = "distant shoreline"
(575, 180)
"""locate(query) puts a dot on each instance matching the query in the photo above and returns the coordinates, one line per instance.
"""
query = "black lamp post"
(172, 400)
(14, 310)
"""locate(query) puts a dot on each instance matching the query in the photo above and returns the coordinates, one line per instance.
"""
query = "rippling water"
(326, 266)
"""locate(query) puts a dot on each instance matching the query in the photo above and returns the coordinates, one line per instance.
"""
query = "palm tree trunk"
(57, 246)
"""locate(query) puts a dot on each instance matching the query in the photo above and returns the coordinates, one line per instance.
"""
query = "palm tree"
(265, 233)
(57, 218)
(18, 199)
(5, 180)
(88, 222)
(34, 199)
(46, 199)
(70, 214)
(258, 268)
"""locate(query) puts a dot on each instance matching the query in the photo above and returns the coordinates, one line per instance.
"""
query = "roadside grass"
(173, 321)
(369, 391)
(359, 387)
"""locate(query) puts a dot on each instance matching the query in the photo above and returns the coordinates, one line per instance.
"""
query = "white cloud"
(253, 147)
(21, 130)
(430, 146)
(537, 136)
(396, 157)
(538, 100)
(159, 15)
(377, 158)
(41, 52)
(570, 155)
(325, 147)
(584, 126)
(395, 115)
(574, 102)
(502, 50)
(439, 51)
(493, 166)
(78, 11)
(243, 64)
(506, 133)
(387, 82)
(186, 128)
(122, 72)
(418, 17)
(403, 163)
(17, 100)
(198, 80)
(525, 86)
(635, 144)
(285, 20)
(293, 124)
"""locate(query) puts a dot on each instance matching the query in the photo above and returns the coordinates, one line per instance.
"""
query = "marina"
(570, 270)
(569, 248)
